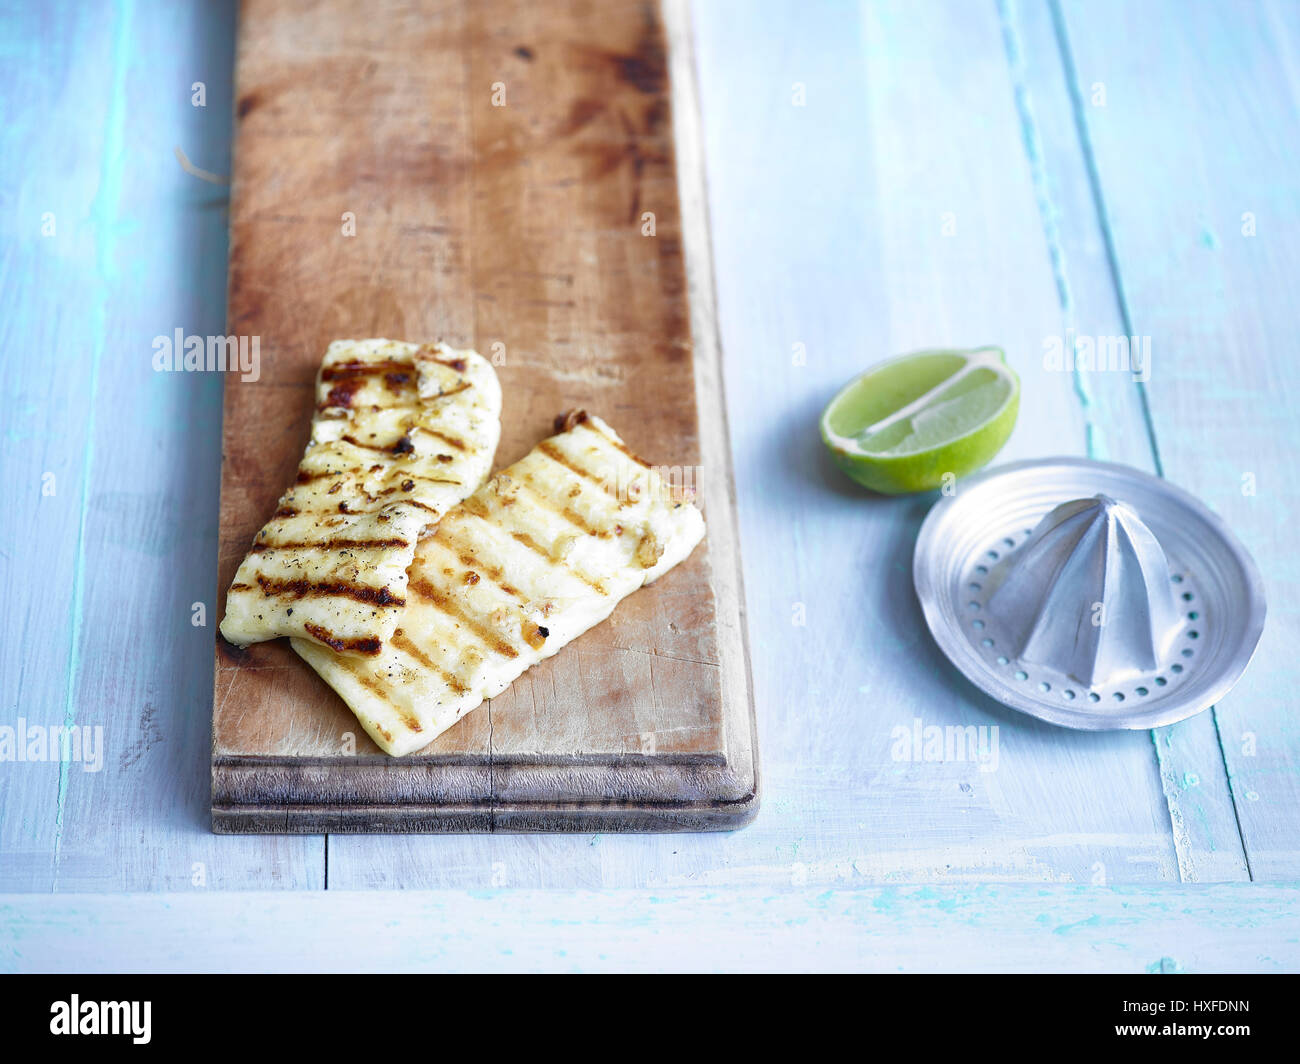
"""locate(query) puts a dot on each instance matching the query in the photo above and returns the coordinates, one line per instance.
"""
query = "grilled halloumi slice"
(402, 433)
(538, 555)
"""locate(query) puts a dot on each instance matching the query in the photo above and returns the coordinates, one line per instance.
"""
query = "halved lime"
(904, 424)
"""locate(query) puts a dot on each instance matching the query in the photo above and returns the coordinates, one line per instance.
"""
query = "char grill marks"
(334, 544)
(401, 434)
(365, 645)
(541, 552)
(379, 596)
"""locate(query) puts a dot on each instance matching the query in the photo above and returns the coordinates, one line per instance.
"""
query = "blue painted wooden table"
(881, 177)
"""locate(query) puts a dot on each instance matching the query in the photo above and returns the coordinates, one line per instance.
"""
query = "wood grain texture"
(510, 169)
(871, 193)
(1204, 231)
(100, 575)
(1192, 774)
(827, 231)
(1008, 928)
(827, 222)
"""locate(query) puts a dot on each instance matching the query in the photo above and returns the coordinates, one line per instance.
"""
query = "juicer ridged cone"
(1088, 594)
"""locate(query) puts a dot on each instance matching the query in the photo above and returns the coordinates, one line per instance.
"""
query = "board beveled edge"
(726, 797)
(637, 793)
(485, 818)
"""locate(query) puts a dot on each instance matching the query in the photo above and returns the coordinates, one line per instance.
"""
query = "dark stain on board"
(645, 69)
(233, 654)
(581, 114)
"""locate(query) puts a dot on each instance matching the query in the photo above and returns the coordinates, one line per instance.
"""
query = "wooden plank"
(1192, 773)
(1225, 928)
(101, 575)
(829, 223)
(47, 416)
(1205, 231)
(510, 169)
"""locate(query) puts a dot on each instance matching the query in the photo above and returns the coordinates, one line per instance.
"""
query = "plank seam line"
(1232, 793)
(1031, 141)
(1099, 204)
(1048, 215)
(1071, 73)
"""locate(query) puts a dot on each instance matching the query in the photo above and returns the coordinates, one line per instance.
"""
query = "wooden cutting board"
(501, 175)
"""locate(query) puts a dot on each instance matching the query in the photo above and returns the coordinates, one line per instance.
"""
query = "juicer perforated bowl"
(1088, 594)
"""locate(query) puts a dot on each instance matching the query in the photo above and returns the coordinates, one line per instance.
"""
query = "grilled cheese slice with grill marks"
(402, 432)
(541, 553)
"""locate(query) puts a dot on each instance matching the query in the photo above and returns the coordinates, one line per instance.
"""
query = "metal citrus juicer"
(1088, 594)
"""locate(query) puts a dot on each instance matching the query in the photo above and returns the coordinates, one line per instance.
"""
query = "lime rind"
(893, 434)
